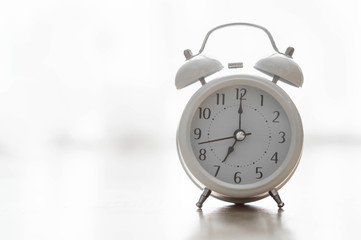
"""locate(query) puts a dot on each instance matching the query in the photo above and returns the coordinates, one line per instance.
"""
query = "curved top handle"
(239, 24)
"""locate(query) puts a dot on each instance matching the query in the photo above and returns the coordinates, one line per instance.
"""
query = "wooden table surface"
(93, 192)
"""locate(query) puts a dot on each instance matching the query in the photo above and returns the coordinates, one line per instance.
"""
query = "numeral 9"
(198, 133)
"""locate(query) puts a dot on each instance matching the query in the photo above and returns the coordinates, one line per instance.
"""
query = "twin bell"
(280, 66)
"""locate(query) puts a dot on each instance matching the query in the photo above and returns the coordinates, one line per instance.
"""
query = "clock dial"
(240, 134)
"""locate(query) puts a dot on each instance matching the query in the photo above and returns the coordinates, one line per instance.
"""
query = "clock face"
(240, 134)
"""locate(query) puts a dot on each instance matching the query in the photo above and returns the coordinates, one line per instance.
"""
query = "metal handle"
(239, 24)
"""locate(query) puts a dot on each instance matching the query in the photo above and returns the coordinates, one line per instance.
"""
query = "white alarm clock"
(240, 136)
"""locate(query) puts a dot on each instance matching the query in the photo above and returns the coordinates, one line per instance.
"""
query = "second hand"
(220, 139)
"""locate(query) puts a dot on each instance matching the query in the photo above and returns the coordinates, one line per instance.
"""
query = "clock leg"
(276, 197)
(203, 197)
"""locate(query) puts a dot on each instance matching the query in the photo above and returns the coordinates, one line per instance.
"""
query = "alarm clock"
(240, 136)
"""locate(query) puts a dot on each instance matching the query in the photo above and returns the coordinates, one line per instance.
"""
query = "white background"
(89, 111)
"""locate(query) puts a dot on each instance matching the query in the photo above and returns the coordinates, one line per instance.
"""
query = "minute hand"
(240, 111)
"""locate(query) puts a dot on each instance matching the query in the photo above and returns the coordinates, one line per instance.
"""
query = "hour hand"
(230, 150)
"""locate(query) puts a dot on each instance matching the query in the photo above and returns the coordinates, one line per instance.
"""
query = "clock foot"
(203, 197)
(276, 197)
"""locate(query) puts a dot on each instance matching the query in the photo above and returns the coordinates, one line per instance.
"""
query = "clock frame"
(247, 192)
